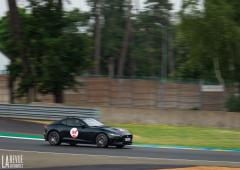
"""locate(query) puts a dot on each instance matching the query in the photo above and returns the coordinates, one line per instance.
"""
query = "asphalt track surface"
(134, 157)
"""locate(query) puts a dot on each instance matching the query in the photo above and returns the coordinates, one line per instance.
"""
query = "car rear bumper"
(45, 136)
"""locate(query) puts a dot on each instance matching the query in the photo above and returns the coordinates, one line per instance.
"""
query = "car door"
(63, 129)
(77, 130)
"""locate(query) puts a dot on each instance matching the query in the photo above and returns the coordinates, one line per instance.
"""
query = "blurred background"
(158, 54)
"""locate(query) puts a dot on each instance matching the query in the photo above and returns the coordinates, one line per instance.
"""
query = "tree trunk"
(111, 67)
(97, 52)
(132, 67)
(58, 95)
(14, 19)
(238, 88)
(60, 5)
(11, 89)
(31, 94)
(164, 59)
(127, 34)
(217, 70)
(171, 62)
(10, 81)
(16, 32)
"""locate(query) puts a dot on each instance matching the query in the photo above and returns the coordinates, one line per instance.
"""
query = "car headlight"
(123, 130)
(114, 134)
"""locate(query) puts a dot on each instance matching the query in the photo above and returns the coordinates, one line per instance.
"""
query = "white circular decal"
(74, 132)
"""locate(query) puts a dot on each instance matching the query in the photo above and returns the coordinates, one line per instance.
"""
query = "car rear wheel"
(102, 140)
(54, 138)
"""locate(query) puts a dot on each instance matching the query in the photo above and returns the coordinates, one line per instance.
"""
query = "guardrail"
(45, 112)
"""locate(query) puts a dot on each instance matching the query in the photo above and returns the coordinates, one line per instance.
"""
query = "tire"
(54, 138)
(102, 140)
(120, 146)
(72, 143)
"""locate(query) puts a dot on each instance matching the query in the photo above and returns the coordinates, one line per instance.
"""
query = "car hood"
(116, 130)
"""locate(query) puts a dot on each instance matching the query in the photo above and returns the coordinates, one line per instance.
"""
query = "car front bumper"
(120, 140)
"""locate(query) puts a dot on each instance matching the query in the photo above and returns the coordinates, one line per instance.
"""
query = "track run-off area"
(37, 153)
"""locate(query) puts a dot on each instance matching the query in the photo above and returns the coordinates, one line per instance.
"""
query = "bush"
(233, 104)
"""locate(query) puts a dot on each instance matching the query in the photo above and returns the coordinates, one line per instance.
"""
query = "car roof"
(72, 117)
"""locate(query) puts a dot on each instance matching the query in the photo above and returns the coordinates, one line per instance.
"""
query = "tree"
(108, 31)
(64, 50)
(97, 35)
(118, 53)
(235, 64)
(96, 15)
(97, 54)
(112, 34)
(149, 38)
(55, 43)
(211, 39)
(17, 36)
(126, 39)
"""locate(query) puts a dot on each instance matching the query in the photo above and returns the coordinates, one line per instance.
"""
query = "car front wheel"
(102, 141)
(54, 138)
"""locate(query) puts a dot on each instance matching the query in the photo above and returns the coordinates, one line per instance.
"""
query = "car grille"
(127, 136)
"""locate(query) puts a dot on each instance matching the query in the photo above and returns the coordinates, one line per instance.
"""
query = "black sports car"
(75, 130)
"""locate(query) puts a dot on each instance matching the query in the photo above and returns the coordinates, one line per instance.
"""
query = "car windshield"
(92, 122)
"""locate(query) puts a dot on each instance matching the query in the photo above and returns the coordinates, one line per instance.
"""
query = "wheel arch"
(98, 133)
(53, 130)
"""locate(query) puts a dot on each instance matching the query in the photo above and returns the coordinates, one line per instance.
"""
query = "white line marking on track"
(25, 138)
(128, 157)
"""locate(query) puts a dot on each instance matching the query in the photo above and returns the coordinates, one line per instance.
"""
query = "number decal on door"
(74, 133)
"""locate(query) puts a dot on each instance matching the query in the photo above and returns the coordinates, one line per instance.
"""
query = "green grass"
(183, 135)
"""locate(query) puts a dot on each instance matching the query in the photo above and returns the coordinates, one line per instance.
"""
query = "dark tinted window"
(60, 122)
(74, 122)
(64, 122)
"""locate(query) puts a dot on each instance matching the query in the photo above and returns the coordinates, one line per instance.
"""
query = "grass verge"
(183, 135)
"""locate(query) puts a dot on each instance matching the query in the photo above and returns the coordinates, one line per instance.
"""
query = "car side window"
(74, 122)
(64, 122)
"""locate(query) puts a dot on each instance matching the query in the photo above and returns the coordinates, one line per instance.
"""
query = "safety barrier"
(46, 112)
